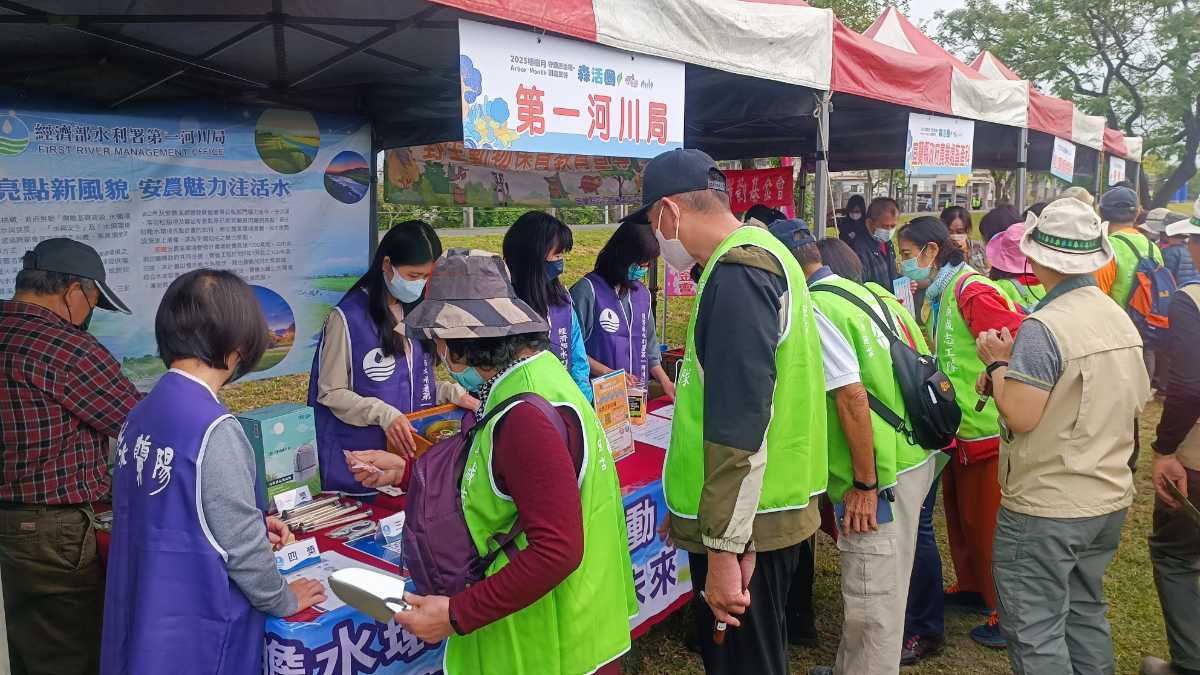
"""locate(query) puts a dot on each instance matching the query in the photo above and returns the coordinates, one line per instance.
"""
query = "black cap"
(67, 256)
(1120, 201)
(793, 232)
(675, 172)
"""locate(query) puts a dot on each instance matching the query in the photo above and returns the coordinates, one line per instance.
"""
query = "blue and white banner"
(534, 92)
(939, 146)
(278, 196)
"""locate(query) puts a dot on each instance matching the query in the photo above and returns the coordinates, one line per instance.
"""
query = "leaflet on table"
(377, 547)
(654, 431)
(612, 407)
(331, 561)
(667, 411)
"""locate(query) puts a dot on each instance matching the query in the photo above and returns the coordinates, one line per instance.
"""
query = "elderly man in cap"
(747, 456)
(1068, 391)
(1174, 544)
(62, 397)
(877, 477)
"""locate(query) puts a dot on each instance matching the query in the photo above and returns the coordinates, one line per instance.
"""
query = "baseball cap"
(67, 256)
(793, 232)
(1120, 201)
(675, 172)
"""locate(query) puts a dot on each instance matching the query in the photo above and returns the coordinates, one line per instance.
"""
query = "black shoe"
(969, 602)
(918, 647)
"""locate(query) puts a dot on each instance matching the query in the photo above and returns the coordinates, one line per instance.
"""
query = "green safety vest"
(893, 452)
(795, 444)
(1127, 262)
(955, 351)
(1026, 296)
(583, 623)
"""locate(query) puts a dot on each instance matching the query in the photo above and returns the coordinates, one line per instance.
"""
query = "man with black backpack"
(878, 472)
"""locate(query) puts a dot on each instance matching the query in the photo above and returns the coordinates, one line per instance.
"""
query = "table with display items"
(344, 640)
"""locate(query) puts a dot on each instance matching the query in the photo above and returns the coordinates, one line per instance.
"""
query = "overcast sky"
(922, 10)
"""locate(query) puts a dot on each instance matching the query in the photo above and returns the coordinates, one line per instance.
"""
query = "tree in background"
(1135, 62)
(859, 14)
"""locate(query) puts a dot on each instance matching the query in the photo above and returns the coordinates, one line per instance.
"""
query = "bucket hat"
(1004, 250)
(1184, 227)
(1068, 238)
(470, 295)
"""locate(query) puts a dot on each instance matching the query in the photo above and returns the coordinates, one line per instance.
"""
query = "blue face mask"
(554, 268)
(912, 269)
(470, 379)
(637, 273)
(405, 290)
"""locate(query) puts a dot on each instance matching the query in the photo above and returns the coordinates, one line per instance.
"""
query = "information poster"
(611, 400)
(939, 146)
(278, 196)
(769, 187)
(661, 575)
(1062, 161)
(528, 91)
(1116, 170)
(448, 174)
(680, 283)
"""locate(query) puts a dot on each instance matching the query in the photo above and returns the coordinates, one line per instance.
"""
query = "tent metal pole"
(373, 219)
(821, 182)
(1099, 174)
(1022, 161)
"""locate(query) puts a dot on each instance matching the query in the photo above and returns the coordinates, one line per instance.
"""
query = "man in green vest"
(877, 476)
(1068, 390)
(747, 456)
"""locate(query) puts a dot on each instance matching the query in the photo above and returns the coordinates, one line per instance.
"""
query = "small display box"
(284, 438)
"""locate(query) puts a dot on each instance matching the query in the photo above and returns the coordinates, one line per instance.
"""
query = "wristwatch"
(859, 485)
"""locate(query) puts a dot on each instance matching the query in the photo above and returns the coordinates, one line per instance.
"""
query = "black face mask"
(242, 369)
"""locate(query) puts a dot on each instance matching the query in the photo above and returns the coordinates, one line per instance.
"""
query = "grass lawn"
(1134, 612)
(1181, 207)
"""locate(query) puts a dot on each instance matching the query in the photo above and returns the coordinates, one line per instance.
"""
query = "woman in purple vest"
(367, 375)
(615, 314)
(533, 250)
(191, 574)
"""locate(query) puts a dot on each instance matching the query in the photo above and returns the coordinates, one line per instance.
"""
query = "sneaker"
(989, 634)
(970, 602)
(1152, 665)
(918, 647)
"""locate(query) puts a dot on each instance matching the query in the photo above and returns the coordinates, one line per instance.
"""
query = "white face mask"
(882, 234)
(855, 216)
(672, 249)
(959, 239)
(405, 290)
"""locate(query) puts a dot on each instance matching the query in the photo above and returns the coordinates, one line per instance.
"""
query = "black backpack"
(933, 413)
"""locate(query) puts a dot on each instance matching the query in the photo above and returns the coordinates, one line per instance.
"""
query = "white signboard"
(1062, 162)
(1116, 170)
(539, 93)
(939, 145)
(278, 196)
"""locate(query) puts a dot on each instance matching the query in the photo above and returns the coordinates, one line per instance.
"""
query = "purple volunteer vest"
(169, 605)
(387, 378)
(560, 331)
(619, 341)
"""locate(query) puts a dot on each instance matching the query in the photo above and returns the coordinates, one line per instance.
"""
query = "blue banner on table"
(528, 91)
(661, 574)
(278, 196)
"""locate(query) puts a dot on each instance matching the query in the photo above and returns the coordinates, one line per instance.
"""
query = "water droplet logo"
(609, 321)
(14, 135)
(377, 366)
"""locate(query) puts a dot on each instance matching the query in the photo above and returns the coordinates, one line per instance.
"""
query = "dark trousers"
(53, 589)
(926, 612)
(760, 645)
(1175, 554)
(801, 621)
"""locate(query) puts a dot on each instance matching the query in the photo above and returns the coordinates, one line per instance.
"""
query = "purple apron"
(560, 316)
(170, 606)
(617, 340)
(390, 379)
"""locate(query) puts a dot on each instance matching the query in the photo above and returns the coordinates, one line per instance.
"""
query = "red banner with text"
(770, 187)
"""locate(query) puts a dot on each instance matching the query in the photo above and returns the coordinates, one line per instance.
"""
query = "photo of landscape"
(281, 327)
(287, 140)
(348, 177)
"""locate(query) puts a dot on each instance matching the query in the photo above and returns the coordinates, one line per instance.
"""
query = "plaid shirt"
(61, 395)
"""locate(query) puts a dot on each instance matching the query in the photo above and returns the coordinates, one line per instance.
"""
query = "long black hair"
(927, 230)
(535, 235)
(412, 242)
(998, 220)
(632, 244)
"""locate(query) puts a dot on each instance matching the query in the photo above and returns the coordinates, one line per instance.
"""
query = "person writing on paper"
(1068, 389)
(615, 312)
(964, 304)
(562, 603)
(191, 576)
(366, 374)
(533, 250)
